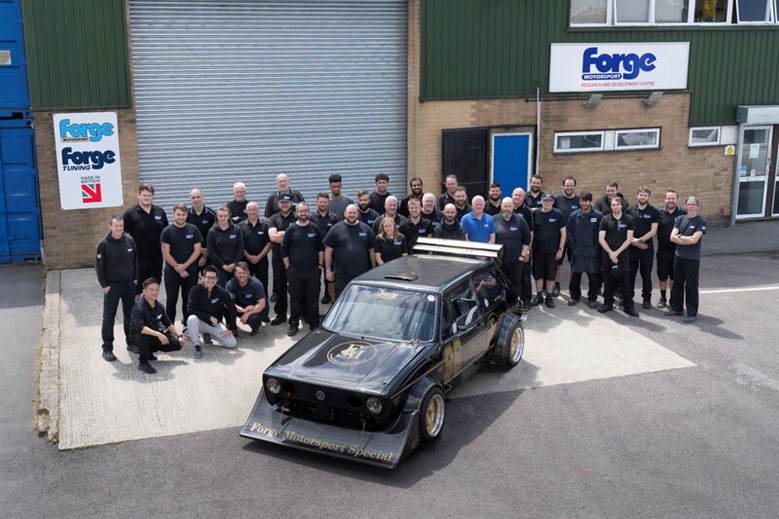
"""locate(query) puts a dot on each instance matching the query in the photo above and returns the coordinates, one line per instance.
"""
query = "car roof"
(435, 273)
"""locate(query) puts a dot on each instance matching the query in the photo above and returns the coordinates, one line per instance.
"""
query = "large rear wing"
(459, 248)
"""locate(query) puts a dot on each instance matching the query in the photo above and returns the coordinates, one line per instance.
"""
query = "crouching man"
(151, 327)
(249, 297)
(208, 304)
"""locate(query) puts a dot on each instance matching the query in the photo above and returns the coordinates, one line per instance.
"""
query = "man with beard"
(567, 202)
(349, 248)
(180, 242)
(225, 243)
(338, 201)
(688, 230)
(429, 210)
(302, 253)
(582, 234)
(416, 194)
(278, 225)
(251, 305)
(493, 205)
(603, 204)
(614, 235)
(666, 249)
(513, 233)
(549, 241)
(365, 214)
(415, 226)
(145, 222)
(641, 251)
(202, 217)
(256, 243)
(461, 205)
(282, 188)
(379, 196)
(237, 206)
(520, 208)
(533, 199)
(447, 197)
(390, 211)
(450, 228)
(325, 220)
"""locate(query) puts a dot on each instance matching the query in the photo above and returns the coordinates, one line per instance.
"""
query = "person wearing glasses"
(211, 310)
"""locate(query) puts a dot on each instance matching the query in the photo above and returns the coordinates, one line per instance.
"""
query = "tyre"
(511, 341)
(432, 415)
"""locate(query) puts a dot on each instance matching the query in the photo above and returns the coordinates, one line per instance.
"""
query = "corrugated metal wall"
(476, 49)
(77, 54)
(243, 90)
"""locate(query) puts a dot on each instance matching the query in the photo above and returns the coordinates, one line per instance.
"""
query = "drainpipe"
(736, 173)
(538, 124)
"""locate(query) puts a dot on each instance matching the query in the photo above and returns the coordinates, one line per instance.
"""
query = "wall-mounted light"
(593, 101)
(653, 98)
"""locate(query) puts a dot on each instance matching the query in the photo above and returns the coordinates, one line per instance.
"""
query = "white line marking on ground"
(734, 290)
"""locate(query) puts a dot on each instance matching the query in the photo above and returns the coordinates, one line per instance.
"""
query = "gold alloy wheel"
(434, 415)
(517, 344)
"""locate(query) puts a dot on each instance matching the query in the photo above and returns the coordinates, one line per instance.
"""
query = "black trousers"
(622, 283)
(260, 271)
(148, 345)
(148, 269)
(255, 320)
(526, 285)
(304, 298)
(513, 272)
(641, 261)
(124, 292)
(279, 285)
(686, 275)
(575, 285)
(174, 284)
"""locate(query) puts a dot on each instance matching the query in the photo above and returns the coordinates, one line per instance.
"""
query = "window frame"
(731, 17)
(600, 133)
(692, 144)
(617, 133)
(609, 140)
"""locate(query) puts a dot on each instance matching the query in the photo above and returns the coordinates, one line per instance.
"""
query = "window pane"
(632, 11)
(704, 136)
(711, 11)
(671, 11)
(753, 10)
(592, 141)
(588, 11)
(639, 139)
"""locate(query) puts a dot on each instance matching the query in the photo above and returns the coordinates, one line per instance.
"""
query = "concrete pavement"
(87, 401)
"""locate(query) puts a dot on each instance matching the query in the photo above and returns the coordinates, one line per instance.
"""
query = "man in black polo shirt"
(416, 194)
(615, 235)
(180, 242)
(145, 222)
(349, 248)
(493, 205)
(415, 226)
(666, 249)
(202, 217)
(379, 196)
(365, 213)
(278, 224)
(514, 234)
(583, 227)
(302, 251)
(225, 245)
(237, 205)
(520, 208)
(256, 243)
(152, 330)
(534, 194)
(325, 220)
(566, 202)
(390, 211)
(688, 230)
(447, 197)
(641, 251)
(429, 209)
(461, 204)
(116, 265)
(282, 188)
(248, 295)
(603, 204)
(549, 240)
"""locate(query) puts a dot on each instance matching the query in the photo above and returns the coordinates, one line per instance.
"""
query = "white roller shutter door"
(243, 90)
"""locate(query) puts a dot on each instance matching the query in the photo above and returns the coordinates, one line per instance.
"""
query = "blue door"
(20, 226)
(511, 160)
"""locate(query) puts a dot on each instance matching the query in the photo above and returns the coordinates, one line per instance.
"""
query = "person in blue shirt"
(478, 225)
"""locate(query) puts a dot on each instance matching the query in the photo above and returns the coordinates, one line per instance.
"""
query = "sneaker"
(133, 348)
(279, 319)
(198, 351)
(147, 368)
(661, 303)
(647, 304)
(207, 339)
(152, 357)
(572, 302)
(556, 290)
(273, 297)
(537, 300)
(109, 356)
(293, 330)
(605, 308)
(266, 319)
(690, 319)
(549, 302)
(671, 311)
(631, 311)
(592, 304)
(255, 331)
(325, 300)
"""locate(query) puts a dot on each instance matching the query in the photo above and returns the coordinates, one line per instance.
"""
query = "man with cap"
(549, 241)
(278, 225)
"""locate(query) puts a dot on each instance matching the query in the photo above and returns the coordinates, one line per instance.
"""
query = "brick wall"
(70, 237)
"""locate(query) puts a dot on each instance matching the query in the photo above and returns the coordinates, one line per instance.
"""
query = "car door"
(468, 329)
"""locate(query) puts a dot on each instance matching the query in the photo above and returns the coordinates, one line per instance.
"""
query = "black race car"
(369, 384)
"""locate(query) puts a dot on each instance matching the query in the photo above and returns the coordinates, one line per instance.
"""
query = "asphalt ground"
(700, 441)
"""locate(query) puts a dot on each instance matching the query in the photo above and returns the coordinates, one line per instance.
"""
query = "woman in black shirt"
(390, 243)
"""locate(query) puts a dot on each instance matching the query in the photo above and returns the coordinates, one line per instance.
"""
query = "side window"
(447, 320)
(488, 289)
(465, 307)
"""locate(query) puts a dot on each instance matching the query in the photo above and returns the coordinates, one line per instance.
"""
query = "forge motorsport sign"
(88, 165)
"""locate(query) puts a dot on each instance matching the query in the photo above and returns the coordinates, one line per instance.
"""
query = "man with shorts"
(549, 242)
(666, 249)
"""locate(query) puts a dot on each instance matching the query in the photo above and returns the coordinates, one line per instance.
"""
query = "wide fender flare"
(417, 392)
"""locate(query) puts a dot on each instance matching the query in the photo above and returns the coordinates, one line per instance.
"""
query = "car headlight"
(273, 386)
(374, 405)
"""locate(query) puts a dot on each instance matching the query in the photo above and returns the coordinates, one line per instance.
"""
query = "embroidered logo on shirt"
(362, 234)
(157, 217)
(214, 300)
(190, 236)
(232, 236)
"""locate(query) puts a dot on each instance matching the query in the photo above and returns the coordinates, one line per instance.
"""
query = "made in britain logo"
(615, 67)
(91, 193)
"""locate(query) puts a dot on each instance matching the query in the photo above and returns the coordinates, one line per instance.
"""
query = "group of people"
(217, 261)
